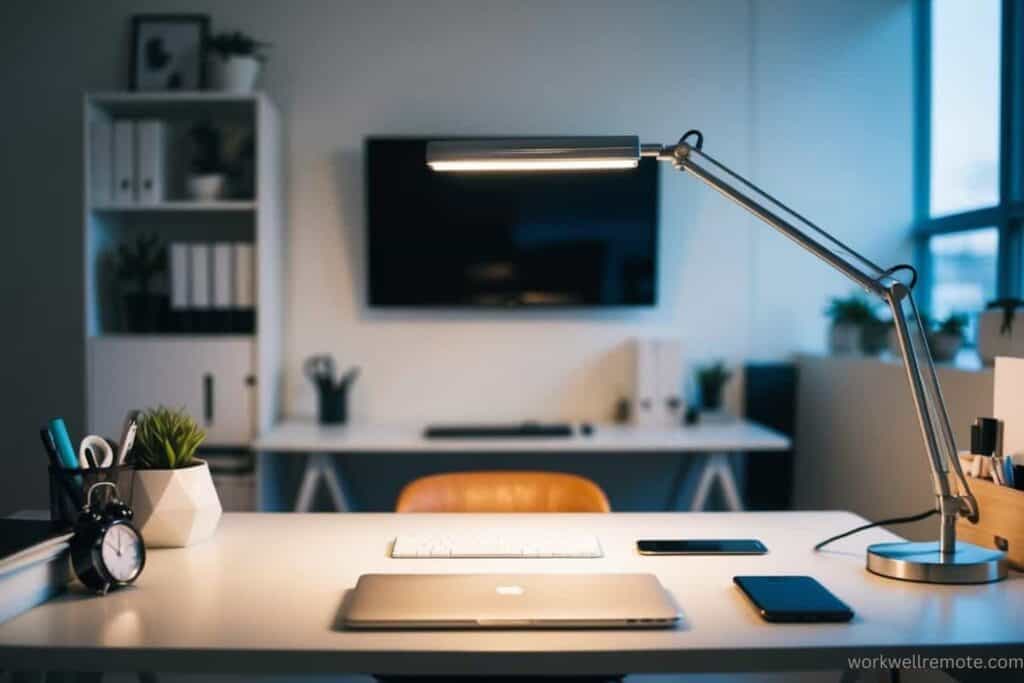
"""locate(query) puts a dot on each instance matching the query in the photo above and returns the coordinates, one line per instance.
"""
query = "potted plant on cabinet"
(850, 317)
(996, 330)
(136, 266)
(237, 61)
(711, 379)
(173, 495)
(208, 176)
(948, 339)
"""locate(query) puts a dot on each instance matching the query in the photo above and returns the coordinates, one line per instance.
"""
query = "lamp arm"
(924, 384)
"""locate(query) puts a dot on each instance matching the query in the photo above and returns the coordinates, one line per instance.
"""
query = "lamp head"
(535, 154)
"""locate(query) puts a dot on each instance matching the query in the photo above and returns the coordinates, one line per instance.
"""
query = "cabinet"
(212, 379)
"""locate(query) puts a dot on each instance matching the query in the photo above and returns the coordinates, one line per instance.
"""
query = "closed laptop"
(429, 601)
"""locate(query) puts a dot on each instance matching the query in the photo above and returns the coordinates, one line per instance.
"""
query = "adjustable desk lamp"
(945, 561)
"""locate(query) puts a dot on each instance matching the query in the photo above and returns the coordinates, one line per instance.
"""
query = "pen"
(51, 450)
(131, 425)
(51, 453)
(62, 442)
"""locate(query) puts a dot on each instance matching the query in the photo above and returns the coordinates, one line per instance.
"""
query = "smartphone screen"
(731, 546)
(792, 599)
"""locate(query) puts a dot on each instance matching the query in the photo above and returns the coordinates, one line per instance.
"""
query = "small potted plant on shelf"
(136, 267)
(998, 335)
(948, 339)
(208, 176)
(175, 502)
(711, 379)
(237, 61)
(850, 318)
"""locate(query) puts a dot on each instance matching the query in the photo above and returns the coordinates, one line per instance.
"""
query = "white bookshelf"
(136, 370)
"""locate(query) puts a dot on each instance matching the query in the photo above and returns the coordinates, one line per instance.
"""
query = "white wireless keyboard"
(500, 544)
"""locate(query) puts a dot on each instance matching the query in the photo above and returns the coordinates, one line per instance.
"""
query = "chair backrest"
(508, 491)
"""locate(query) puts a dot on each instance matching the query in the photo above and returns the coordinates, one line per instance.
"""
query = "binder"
(669, 404)
(222, 276)
(124, 162)
(245, 271)
(200, 275)
(180, 277)
(101, 162)
(645, 387)
(151, 160)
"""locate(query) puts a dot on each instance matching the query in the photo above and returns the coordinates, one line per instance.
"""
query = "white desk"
(263, 596)
(710, 445)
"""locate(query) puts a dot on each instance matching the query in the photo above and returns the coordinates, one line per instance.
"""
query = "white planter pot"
(844, 338)
(175, 508)
(236, 74)
(944, 347)
(991, 340)
(206, 186)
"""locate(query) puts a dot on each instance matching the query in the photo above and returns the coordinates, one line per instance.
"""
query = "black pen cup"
(69, 489)
(333, 401)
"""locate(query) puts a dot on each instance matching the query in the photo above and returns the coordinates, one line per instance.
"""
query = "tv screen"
(507, 239)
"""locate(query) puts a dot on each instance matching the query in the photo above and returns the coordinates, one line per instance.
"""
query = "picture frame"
(169, 51)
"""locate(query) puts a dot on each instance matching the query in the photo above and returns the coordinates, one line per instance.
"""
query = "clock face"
(122, 552)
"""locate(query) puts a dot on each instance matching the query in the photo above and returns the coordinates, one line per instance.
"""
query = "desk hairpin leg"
(701, 476)
(321, 466)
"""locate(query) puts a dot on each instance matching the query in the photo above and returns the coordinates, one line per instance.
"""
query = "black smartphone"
(730, 546)
(793, 599)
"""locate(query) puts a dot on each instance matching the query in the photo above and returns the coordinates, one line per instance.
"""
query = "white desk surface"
(306, 436)
(263, 596)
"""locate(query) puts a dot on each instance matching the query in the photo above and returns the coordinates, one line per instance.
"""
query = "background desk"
(709, 446)
(263, 596)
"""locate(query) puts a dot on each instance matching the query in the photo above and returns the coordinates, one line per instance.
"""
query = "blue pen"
(65, 452)
(1008, 472)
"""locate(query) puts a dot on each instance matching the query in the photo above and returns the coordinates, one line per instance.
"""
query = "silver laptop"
(431, 601)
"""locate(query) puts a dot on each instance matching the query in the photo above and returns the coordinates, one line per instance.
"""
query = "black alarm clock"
(107, 552)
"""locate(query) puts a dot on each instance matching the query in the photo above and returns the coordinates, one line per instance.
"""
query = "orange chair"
(502, 492)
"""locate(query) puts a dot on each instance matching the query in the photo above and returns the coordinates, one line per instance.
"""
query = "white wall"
(811, 98)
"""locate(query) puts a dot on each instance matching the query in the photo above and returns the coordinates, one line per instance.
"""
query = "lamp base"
(923, 562)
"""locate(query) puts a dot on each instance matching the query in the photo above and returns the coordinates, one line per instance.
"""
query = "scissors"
(95, 452)
(320, 369)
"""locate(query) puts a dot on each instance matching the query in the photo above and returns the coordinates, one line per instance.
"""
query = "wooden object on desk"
(513, 491)
(1001, 517)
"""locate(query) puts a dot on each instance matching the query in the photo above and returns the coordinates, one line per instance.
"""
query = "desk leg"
(320, 465)
(717, 466)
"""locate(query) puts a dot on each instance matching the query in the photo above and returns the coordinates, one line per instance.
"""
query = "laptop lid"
(397, 601)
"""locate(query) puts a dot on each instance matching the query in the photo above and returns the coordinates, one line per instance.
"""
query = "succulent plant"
(167, 439)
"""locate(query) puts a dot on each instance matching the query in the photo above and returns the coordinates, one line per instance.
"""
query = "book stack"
(34, 564)
(213, 287)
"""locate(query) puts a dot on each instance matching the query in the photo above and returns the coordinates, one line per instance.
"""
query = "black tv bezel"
(512, 306)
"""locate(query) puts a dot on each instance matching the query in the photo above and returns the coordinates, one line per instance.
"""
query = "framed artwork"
(169, 51)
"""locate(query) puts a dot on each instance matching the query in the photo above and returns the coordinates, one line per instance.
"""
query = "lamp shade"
(535, 154)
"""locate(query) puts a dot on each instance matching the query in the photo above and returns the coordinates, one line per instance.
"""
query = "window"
(970, 145)
(963, 272)
(965, 105)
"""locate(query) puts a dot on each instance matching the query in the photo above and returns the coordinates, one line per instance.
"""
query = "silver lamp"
(944, 561)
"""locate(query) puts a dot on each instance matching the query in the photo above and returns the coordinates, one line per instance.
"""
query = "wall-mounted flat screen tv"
(504, 239)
